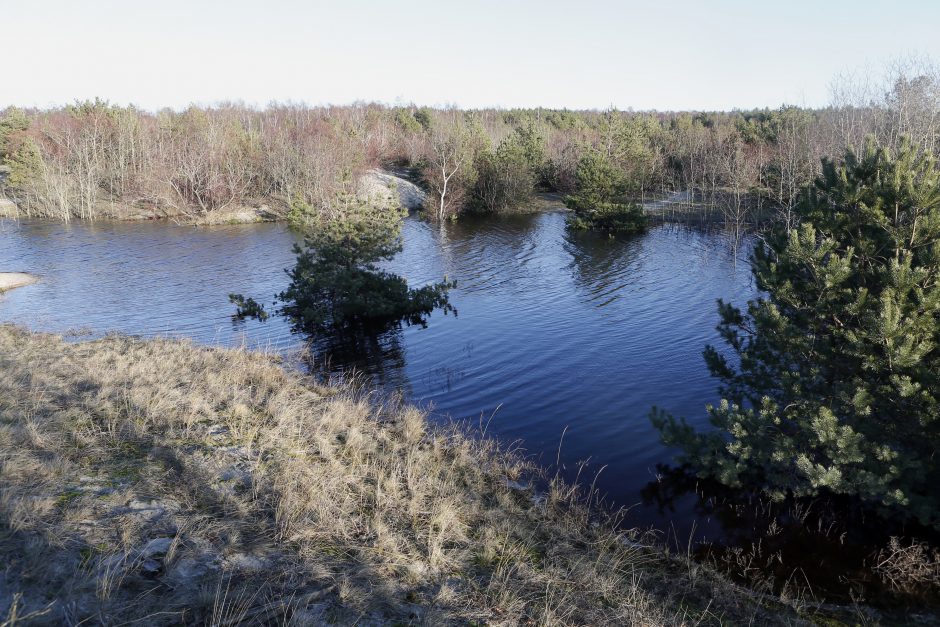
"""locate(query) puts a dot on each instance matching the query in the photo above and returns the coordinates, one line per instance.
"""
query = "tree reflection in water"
(831, 549)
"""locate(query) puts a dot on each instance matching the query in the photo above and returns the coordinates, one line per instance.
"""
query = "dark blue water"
(556, 332)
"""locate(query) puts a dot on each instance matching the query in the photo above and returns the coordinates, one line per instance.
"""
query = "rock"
(379, 184)
(246, 562)
(218, 432)
(144, 512)
(138, 505)
(190, 570)
(11, 280)
(242, 452)
(151, 567)
(157, 546)
(237, 214)
(234, 473)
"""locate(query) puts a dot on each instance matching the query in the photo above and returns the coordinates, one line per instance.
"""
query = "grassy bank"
(159, 481)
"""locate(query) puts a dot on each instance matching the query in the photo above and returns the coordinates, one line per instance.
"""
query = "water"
(557, 332)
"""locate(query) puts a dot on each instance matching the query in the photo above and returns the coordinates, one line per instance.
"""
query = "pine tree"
(19, 155)
(336, 284)
(836, 382)
(600, 202)
(12, 122)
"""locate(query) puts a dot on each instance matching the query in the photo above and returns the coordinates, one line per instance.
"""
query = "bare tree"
(739, 173)
(449, 154)
(913, 103)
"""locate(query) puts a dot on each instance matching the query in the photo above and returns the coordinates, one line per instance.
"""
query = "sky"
(591, 54)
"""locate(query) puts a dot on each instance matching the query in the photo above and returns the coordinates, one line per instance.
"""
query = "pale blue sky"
(589, 54)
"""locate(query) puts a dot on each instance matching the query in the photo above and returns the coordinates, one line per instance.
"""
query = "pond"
(563, 341)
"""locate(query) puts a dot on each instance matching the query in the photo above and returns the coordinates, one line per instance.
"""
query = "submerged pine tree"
(337, 284)
(601, 201)
(837, 383)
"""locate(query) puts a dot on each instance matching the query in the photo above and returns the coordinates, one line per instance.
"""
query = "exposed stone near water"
(10, 280)
(240, 214)
(380, 184)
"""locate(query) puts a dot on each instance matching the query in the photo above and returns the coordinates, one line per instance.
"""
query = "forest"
(742, 168)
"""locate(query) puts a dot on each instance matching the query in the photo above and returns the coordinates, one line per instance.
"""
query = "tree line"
(90, 159)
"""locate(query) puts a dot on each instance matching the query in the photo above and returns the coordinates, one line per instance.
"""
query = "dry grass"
(160, 482)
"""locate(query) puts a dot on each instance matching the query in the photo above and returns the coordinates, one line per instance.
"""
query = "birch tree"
(449, 157)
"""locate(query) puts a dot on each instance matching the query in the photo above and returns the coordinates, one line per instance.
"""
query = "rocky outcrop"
(385, 185)
(10, 280)
(239, 214)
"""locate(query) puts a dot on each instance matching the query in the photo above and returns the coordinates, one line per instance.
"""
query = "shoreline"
(13, 280)
(375, 184)
(158, 477)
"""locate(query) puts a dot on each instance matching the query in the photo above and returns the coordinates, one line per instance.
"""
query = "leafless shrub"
(908, 567)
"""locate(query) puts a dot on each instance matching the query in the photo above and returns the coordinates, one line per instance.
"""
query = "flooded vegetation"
(490, 363)
(546, 316)
(563, 342)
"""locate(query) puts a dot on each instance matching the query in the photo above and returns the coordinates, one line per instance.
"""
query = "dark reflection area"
(354, 356)
(602, 265)
(514, 230)
(830, 548)
(375, 359)
(485, 252)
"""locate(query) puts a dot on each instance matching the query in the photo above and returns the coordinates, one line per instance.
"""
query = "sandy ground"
(9, 280)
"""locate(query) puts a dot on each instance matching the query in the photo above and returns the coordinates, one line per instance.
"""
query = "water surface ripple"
(555, 329)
